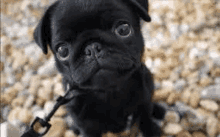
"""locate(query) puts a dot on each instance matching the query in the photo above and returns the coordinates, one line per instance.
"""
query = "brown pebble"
(161, 94)
(58, 127)
(12, 92)
(172, 117)
(215, 72)
(13, 114)
(211, 126)
(109, 134)
(185, 124)
(69, 133)
(18, 86)
(61, 112)
(172, 98)
(172, 129)
(209, 105)
(19, 101)
(25, 115)
(198, 134)
(45, 94)
(34, 85)
(218, 115)
(1, 66)
(184, 134)
(185, 96)
(5, 99)
(205, 81)
(194, 99)
(218, 127)
(40, 101)
(58, 89)
(185, 73)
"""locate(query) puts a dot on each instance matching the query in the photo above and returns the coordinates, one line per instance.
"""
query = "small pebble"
(185, 96)
(45, 93)
(167, 85)
(161, 94)
(61, 112)
(184, 134)
(58, 127)
(211, 92)
(179, 85)
(172, 117)
(172, 98)
(19, 101)
(14, 113)
(172, 129)
(198, 134)
(194, 99)
(209, 105)
(69, 133)
(211, 126)
(218, 115)
(25, 115)
(29, 101)
(58, 89)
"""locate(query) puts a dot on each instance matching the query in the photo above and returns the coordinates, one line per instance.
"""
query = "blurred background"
(182, 50)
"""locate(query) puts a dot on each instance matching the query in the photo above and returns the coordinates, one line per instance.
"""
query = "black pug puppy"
(97, 45)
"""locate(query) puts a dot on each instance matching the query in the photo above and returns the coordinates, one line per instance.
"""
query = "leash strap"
(44, 122)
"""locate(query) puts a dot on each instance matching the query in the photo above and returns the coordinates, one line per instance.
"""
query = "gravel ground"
(182, 51)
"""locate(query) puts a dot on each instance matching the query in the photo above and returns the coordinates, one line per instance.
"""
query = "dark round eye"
(123, 30)
(63, 53)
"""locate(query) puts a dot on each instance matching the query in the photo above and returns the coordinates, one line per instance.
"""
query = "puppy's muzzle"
(94, 50)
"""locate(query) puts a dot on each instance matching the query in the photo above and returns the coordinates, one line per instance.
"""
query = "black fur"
(101, 63)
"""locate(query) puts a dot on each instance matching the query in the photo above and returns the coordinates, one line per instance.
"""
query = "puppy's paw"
(150, 128)
(158, 111)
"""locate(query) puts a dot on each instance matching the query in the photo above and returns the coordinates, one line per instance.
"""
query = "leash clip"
(43, 124)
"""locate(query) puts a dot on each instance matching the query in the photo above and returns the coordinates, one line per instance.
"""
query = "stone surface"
(185, 96)
(194, 99)
(25, 116)
(172, 117)
(179, 85)
(184, 134)
(211, 92)
(19, 101)
(48, 68)
(198, 134)
(172, 129)
(14, 113)
(69, 133)
(57, 129)
(211, 126)
(209, 105)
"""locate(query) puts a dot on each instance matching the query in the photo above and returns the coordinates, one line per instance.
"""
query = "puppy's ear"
(142, 8)
(42, 34)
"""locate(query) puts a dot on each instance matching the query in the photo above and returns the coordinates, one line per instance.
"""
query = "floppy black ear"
(42, 34)
(142, 8)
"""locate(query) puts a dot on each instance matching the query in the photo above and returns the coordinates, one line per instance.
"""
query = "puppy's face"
(96, 43)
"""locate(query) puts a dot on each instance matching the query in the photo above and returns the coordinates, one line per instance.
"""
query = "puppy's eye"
(63, 53)
(123, 30)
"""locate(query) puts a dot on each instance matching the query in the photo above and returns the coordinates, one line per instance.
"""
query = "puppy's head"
(96, 43)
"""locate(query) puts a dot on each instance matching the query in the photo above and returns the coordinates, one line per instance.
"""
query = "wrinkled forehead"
(71, 11)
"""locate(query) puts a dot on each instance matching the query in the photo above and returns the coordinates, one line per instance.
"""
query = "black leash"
(44, 122)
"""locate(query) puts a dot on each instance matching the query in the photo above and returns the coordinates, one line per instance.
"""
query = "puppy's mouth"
(102, 71)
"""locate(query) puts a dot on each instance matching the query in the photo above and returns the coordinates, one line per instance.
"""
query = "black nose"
(93, 49)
